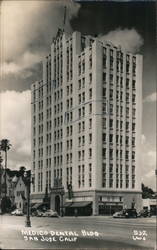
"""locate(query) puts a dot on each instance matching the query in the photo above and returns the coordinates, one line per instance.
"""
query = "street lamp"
(28, 180)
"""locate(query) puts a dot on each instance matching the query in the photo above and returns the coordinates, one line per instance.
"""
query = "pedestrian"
(75, 212)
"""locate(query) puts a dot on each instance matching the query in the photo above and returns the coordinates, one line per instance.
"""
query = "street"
(77, 232)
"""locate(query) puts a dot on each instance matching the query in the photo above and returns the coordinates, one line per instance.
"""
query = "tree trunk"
(5, 175)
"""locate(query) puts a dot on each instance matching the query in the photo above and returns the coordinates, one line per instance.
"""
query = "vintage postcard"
(78, 124)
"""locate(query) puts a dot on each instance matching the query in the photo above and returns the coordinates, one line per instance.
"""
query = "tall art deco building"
(86, 126)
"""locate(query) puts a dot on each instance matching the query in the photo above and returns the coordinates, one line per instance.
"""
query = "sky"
(27, 29)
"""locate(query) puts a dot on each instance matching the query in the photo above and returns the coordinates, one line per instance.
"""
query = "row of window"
(58, 147)
(81, 154)
(119, 139)
(120, 153)
(81, 140)
(82, 65)
(119, 124)
(120, 81)
(58, 95)
(109, 109)
(58, 121)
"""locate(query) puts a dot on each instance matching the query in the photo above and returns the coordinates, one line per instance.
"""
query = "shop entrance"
(57, 204)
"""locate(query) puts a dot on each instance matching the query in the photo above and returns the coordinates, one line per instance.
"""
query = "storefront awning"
(67, 204)
(35, 206)
(77, 204)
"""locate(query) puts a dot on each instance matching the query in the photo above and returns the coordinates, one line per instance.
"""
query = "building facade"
(20, 194)
(86, 126)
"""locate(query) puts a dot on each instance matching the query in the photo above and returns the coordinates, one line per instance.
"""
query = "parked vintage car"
(126, 213)
(50, 213)
(144, 213)
(119, 214)
(17, 212)
(37, 213)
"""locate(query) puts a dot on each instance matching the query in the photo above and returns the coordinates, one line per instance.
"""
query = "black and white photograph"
(78, 124)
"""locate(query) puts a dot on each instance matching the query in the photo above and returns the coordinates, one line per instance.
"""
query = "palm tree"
(5, 146)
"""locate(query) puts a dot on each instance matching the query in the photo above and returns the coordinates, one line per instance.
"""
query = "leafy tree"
(147, 192)
(5, 146)
(22, 169)
(5, 204)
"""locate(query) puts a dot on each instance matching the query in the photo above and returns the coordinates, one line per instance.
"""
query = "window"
(83, 82)
(79, 155)
(79, 113)
(117, 124)
(133, 127)
(79, 98)
(103, 123)
(83, 175)
(111, 94)
(83, 66)
(90, 138)
(90, 78)
(111, 109)
(104, 61)
(104, 153)
(90, 93)
(79, 127)
(117, 110)
(133, 112)
(83, 97)
(71, 130)
(104, 77)
(90, 108)
(67, 131)
(127, 140)
(111, 138)
(79, 84)
(90, 123)
(104, 107)
(127, 155)
(83, 111)
(79, 176)
(111, 153)
(83, 126)
(111, 78)
(79, 70)
(111, 124)
(90, 175)
(133, 84)
(127, 111)
(121, 110)
(90, 61)
(133, 155)
(104, 92)
(104, 138)
(104, 175)
(83, 140)
(90, 153)
(117, 139)
(71, 103)
(133, 98)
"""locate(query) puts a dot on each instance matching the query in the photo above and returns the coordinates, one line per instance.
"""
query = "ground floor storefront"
(95, 202)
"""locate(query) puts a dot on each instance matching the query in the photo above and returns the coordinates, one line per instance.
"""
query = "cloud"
(15, 116)
(129, 39)
(151, 98)
(26, 32)
(22, 63)
(148, 156)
